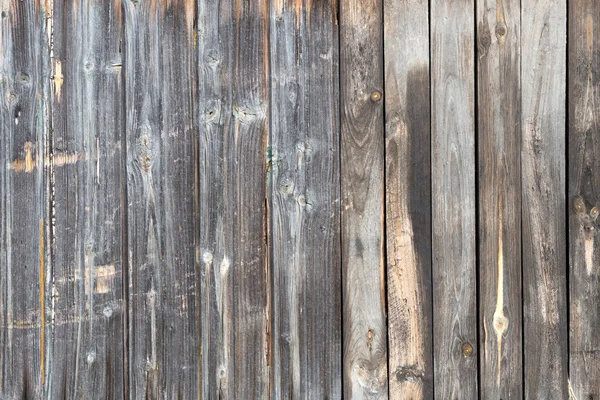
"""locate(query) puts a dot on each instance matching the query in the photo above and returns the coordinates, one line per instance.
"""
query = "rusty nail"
(376, 96)
(467, 349)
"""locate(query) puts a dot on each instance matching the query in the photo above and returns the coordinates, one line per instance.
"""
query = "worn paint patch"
(98, 278)
(500, 321)
(42, 303)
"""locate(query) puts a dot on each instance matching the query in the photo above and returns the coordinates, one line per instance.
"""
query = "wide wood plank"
(499, 163)
(408, 199)
(304, 168)
(233, 132)
(543, 49)
(88, 123)
(584, 197)
(24, 222)
(453, 198)
(161, 174)
(362, 188)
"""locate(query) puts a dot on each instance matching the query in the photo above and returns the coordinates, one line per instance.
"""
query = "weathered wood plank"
(408, 199)
(233, 131)
(305, 244)
(88, 122)
(543, 49)
(499, 162)
(161, 168)
(362, 188)
(23, 197)
(584, 197)
(453, 198)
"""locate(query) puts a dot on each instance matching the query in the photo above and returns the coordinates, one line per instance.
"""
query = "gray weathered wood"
(408, 199)
(453, 199)
(24, 222)
(304, 167)
(499, 103)
(543, 42)
(584, 197)
(362, 188)
(88, 122)
(163, 340)
(233, 131)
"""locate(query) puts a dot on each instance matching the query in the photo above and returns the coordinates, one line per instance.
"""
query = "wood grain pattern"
(304, 168)
(453, 199)
(161, 173)
(543, 49)
(87, 304)
(408, 199)
(24, 134)
(584, 197)
(233, 129)
(499, 162)
(362, 180)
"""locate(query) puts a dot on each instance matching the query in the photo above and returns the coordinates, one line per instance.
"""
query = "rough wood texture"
(161, 168)
(453, 199)
(233, 128)
(362, 180)
(408, 199)
(23, 197)
(304, 168)
(584, 197)
(88, 122)
(543, 40)
(499, 101)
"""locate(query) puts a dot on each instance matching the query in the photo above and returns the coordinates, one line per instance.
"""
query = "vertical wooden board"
(362, 189)
(161, 167)
(543, 49)
(233, 111)
(23, 222)
(304, 167)
(87, 304)
(408, 199)
(499, 163)
(453, 199)
(584, 197)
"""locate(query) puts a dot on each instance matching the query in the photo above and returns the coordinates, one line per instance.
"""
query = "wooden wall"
(317, 199)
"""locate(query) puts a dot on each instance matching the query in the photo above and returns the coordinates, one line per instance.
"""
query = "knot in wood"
(467, 349)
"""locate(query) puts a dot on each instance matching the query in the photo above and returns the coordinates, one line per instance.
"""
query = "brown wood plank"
(304, 168)
(543, 49)
(408, 199)
(161, 174)
(24, 218)
(362, 188)
(88, 124)
(453, 197)
(499, 101)
(233, 131)
(584, 197)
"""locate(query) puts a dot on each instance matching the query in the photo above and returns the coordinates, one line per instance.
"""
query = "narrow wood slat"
(543, 49)
(24, 218)
(88, 124)
(499, 162)
(233, 131)
(408, 199)
(161, 173)
(453, 198)
(304, 168)
(584, 197)
(362, 188)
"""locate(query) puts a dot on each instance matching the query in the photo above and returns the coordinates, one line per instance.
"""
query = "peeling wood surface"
(453, 199)
(543, 123)
(583, 201)
(499, 163)
(408, 199)
(299, 199)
